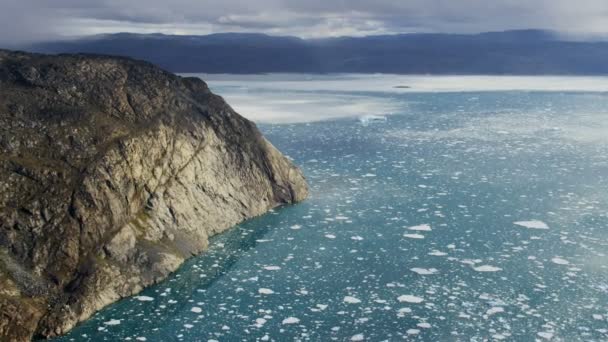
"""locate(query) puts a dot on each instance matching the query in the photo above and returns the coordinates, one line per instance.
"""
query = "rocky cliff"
(112, 173)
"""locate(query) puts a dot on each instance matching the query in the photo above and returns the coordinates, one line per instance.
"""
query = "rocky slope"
(112, 173)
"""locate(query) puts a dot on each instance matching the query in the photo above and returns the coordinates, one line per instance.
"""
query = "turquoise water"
(465, 216)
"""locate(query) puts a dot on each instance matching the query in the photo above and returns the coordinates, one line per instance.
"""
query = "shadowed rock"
(112, 173)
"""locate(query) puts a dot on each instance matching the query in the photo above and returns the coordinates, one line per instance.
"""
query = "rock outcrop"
(112, 173)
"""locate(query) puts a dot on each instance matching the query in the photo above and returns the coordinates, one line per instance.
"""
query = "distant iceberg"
(370, 119)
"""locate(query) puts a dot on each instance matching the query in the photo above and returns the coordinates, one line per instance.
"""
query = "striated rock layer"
(112, 173)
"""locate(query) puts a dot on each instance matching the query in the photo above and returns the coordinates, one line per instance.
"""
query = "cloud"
(34, 20)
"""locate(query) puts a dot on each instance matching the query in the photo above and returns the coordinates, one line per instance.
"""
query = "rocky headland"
(112, 173)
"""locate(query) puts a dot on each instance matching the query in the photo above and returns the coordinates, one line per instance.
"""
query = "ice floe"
(413, 236)
(410, 299)
(560, 261)
(351, 300)
(265, 291)
(424, 271)
(291, 320)
(422, 227)
(487, 268)
(533, 224)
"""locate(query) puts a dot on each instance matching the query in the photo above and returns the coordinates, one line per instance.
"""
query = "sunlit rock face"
(112, 173)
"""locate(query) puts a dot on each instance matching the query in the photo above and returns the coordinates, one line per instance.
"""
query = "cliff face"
(112, 173)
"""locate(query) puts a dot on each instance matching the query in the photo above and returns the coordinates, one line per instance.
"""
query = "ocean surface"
(441, 209)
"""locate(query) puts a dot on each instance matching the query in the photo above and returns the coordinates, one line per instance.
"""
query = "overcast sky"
(36, 20)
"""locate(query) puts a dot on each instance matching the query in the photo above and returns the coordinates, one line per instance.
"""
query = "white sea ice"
(533, 224)
(414, 236)
(410, 299)
(487, 268)
(351, 300)
(291, 320)
(560, 261)
(422, 227)
(357, 337)
(265, 291)
(112, 322)
(272, 268)
(545, 335)
(494, 310)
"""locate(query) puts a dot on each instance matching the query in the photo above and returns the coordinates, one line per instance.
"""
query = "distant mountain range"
(522, 52)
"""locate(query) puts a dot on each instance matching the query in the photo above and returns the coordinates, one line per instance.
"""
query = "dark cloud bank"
(39, 20)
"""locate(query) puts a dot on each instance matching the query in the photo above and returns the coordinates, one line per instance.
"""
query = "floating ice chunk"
(330, 236)
(424, 271)
(356, 238)
(487, 268)
(196, 309)
(438, 253)
(423, 325)
(259, 322)
(370, 119)
(413, 331)
(265, 291)
(357, 337)
(112, 322)
(296, 227)
(272, 268)
(422, 227)
(351, 300)
(494, 310)
(188, 326)
(560, 261)
(141, 338)
(533, 224)
(410, 299)
(144, 298)
(291, 320)
(545, 335)
(598, 317)
(413, 236)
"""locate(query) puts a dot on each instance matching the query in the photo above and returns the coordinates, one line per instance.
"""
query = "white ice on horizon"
(293, 98)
